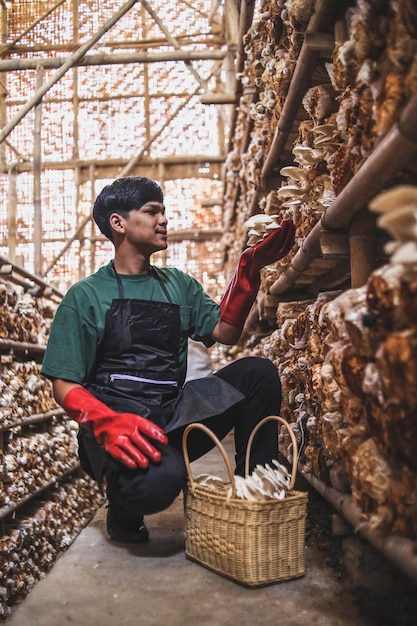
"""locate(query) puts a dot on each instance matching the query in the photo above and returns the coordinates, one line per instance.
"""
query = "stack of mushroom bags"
(271, 48)
(372, 75)
(356, 96)
(37, 535)
(24, 319)
(348, 365)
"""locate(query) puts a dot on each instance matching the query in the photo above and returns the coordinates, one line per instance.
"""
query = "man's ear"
(117, 223)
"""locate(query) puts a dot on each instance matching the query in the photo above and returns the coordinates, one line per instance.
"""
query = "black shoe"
(126, 530)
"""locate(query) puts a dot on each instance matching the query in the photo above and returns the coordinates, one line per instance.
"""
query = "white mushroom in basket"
(264, 483)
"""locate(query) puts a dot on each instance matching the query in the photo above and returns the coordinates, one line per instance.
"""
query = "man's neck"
(133, 264)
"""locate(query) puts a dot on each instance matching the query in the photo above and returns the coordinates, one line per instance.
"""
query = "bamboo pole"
(245, 20)
(399, 550)
(363, 247)
(146, 78)
(75, 138)
(11, 213)
(20, 271)
(37, 169)
(218, 98)
(93, 239)
(70, 62)
(24, 165)
(3, 84)
(142, 56)
(231, 18)
(129, 44)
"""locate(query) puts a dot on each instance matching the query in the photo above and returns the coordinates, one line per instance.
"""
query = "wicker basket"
(252, 543)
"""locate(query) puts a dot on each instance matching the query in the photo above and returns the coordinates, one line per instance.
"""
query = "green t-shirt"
(79, 323)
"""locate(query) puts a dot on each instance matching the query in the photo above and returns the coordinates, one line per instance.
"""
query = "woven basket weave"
(252, 543)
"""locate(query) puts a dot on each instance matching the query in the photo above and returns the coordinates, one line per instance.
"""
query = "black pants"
(143, 492)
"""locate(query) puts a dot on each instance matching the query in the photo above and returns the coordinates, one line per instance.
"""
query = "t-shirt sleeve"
(71, 349)
(205, 313)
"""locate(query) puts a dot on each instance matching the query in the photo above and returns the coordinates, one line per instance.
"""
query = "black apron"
(138, 371)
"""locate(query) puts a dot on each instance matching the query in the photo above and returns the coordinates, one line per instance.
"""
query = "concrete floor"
(99, 582)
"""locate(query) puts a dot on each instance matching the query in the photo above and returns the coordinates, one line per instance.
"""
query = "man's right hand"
(123, 435)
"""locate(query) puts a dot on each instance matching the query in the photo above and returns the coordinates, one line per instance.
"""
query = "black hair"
(121, 196)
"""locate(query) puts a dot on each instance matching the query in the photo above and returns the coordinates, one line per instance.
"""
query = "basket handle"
(204, 428)
(276, 418)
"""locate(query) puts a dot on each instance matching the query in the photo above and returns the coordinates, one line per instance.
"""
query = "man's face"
(146, 228)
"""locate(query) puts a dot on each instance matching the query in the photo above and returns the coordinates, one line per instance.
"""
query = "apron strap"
(153, 272)
(119, 283)
(156, 274)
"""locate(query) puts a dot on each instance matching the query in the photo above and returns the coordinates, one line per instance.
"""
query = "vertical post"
(3, 83)
(37, 174)
(362, 245)
(146, 79)
(161, 179)
(93, 243)
(11, 215)
(75, 147)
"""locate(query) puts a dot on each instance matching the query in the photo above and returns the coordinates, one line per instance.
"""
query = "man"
(117, 355)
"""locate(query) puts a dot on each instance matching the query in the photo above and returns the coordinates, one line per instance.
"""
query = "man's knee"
(163, 484)
(153, 490)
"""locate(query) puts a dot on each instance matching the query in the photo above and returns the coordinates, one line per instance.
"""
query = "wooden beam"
(174, 165)
(143, 56)
(218, 98)
(322, 42)
(11, 214)
(195, 234)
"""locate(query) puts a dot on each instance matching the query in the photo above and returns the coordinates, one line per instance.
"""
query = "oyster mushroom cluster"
(260, 226)
(297, 191)
(398, 216)
(327, 140)
(306, 189)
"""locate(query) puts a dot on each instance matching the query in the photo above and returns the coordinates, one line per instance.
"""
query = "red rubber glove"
(119, 433)
(241, 291)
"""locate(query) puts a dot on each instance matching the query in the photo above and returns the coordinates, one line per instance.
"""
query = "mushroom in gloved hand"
(243, 287)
